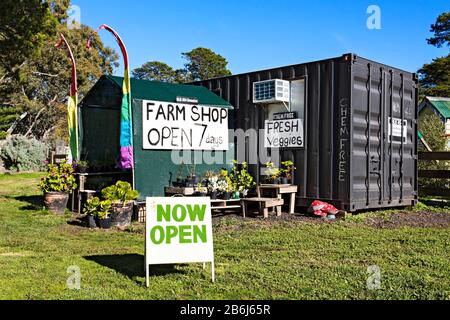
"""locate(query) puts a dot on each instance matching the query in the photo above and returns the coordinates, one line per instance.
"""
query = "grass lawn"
(255, 259)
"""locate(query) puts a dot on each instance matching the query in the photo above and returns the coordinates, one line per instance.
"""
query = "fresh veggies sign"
(178, 126)
(284, 131)
(178, 230)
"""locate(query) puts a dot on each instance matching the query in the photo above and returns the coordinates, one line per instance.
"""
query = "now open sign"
(178, 230)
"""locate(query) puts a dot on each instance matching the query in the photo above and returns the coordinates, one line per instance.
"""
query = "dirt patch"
(410, 219)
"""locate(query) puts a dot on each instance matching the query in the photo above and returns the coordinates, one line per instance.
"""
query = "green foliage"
(288, 169)
(36, 84)
(96, 208)
(433, 130)
(23, 154)
(241, 180)
(202, 63)
(435, 76)
(59, 178)
(158, 71)
(121, 192)
(441, 30)
(272, 172)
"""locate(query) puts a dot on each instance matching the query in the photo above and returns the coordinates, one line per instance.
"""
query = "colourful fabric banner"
(126, 131)
(72, 116)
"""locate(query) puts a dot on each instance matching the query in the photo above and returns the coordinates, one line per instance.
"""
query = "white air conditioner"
(271, 91)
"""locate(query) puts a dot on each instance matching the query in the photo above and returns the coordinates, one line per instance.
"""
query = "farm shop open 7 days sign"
(177, 126)
(178, 230)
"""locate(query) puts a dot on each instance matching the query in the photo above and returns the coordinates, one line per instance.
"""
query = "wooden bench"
(264, 205)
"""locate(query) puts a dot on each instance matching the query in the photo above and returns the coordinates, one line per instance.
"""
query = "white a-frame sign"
(178, 230)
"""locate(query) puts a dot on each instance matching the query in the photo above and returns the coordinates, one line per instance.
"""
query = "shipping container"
(359, 148)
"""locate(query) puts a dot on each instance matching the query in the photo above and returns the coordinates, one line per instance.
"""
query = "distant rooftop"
(440, 104)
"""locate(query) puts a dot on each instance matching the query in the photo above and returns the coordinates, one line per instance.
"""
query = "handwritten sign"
(284, 134)
(178, 126)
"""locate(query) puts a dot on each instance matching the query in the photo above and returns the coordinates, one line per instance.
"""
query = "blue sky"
(260, 34)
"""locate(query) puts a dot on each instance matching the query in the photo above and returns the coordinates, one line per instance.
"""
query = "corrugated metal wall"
(345, 161)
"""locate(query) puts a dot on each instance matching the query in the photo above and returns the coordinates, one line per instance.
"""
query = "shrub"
(59, 178)
(96, 208)
(20, 153)
(120, 193)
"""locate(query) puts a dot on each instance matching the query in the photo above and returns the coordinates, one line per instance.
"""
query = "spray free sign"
(176, 126)
(178, 230)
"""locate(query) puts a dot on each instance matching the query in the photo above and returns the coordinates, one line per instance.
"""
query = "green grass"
(255, 259)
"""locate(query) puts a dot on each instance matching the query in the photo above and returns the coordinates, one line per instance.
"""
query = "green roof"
(168, 92)
(441, 105)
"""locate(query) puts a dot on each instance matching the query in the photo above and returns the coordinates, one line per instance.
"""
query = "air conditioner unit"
(271, 91)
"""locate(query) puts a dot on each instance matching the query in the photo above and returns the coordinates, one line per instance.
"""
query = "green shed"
(174, 126)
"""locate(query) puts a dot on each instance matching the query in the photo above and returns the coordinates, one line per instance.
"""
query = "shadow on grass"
(132, 265)
(35, 203)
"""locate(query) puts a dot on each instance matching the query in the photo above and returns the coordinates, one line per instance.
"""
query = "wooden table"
(280, 190)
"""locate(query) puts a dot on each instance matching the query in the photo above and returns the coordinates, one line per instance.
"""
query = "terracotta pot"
(56, 202)
(121, 215)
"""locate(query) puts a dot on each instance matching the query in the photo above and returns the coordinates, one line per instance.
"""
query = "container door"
(383, 137)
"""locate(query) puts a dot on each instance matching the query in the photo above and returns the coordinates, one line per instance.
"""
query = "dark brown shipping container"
(351, 157)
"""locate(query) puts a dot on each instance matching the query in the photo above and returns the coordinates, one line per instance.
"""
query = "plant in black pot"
(212, 181)
(287, 172)
(192, 179)
(200, 190)
(225, 185)
(122, 198)
(272, 173)
(56, 186)
(241, 179)
(98, 213)
(82, 166)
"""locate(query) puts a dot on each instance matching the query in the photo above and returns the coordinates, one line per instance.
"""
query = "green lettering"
(197, 213)
(185, 234)
(161, 213)
(179, 213)
(172, 232)
(160, 231)
(199, 233)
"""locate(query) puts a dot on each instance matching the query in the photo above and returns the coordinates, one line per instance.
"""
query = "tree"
(433, 129)
(435, 76)
(40, 93)
(24, 28)
(156, 71)
(441, 31)
(204, 64)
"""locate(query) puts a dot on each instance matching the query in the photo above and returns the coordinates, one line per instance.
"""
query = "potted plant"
(122, 198)
(212, 181)
(201, 191)
(180, 182)
(287, 172)
(241, 179)
(82, 166)
(56, 186)
(192, 179)
(102, 214)
(90, 209)
(272, 173)
(225, 185)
